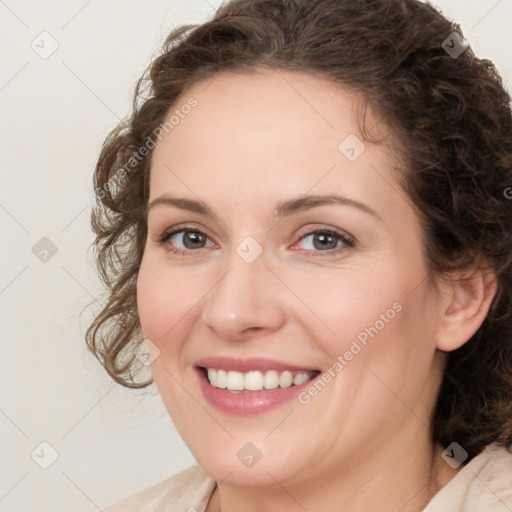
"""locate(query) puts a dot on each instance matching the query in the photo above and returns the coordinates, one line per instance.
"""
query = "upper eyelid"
(331, 230)
(187, 227)
(179, 228)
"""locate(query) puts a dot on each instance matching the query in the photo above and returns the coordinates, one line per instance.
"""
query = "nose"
(247, 302)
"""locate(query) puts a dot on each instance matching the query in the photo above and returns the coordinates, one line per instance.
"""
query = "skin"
(365, 440)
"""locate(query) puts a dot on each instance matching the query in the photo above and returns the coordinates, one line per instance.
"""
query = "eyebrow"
(282, 208)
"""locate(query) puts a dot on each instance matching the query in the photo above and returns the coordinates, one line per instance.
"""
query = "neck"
(399, 476)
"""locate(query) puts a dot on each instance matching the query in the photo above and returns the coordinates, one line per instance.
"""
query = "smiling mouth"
(255, 380)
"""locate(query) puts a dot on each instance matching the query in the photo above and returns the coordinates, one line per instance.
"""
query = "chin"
(226, 464)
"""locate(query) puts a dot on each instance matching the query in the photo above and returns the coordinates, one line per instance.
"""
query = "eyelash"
(348, 243)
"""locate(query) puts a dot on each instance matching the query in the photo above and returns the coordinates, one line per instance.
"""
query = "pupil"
(324, 237)
(195, 238)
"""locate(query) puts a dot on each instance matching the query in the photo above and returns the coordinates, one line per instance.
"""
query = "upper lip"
(246, 365)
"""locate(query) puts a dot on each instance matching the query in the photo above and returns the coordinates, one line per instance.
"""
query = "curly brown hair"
(451, 121)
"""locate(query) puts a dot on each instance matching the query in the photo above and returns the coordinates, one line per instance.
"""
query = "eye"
(327, 241)
(189, 238)
(186, 240)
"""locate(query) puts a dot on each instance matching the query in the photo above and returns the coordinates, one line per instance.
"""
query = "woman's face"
(274, 283)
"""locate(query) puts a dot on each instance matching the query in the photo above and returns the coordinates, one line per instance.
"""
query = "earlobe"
(465, 304)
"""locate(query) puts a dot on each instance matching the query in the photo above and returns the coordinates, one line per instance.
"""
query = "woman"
(307, 220)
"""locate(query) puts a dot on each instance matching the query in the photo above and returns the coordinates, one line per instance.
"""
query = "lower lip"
(250, 403)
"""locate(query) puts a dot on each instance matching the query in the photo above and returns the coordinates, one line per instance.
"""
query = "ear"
(465, 304)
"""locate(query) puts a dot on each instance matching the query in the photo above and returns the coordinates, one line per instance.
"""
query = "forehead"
(285, 107)
(265, 135)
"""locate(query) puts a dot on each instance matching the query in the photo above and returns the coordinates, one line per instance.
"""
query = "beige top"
(483, 485)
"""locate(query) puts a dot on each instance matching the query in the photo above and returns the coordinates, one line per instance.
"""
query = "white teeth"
(235, 381)
(222, 379)
(271, 380)
(256, 380)
(212, 374)
(253, 381)
(286, 379)
(300, 378)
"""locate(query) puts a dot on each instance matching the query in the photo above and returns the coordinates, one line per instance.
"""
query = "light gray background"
(55, 114)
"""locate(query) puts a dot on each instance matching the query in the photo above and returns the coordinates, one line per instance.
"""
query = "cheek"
(162, 307)
(165, 305)
(382, 347)
(380, 315)
(348, 304)
(165, 300)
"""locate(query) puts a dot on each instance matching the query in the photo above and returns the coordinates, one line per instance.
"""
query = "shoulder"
(491, 487)
(483, 485)
(190, 489)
